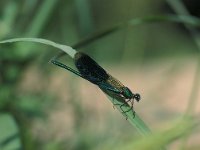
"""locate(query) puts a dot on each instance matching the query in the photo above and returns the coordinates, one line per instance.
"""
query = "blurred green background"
(46, 108)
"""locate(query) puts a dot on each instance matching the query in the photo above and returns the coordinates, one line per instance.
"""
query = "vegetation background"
(153, 49)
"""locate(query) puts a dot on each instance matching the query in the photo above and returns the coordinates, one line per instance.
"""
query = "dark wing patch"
(89, 69)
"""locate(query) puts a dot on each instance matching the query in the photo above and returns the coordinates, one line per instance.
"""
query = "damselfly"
(88, 69)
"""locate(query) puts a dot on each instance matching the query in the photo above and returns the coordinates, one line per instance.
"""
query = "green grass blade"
(189, 20)
(40, 20)
(134, 119)
(157, 141)
(67, 49)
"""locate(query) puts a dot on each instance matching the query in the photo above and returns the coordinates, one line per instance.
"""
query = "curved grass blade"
(67, 49)
(190, 20)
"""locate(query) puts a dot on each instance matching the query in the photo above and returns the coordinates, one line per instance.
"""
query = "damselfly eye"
(137, 97)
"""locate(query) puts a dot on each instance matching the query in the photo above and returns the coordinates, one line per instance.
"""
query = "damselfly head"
(137, 97)
(129, 95)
